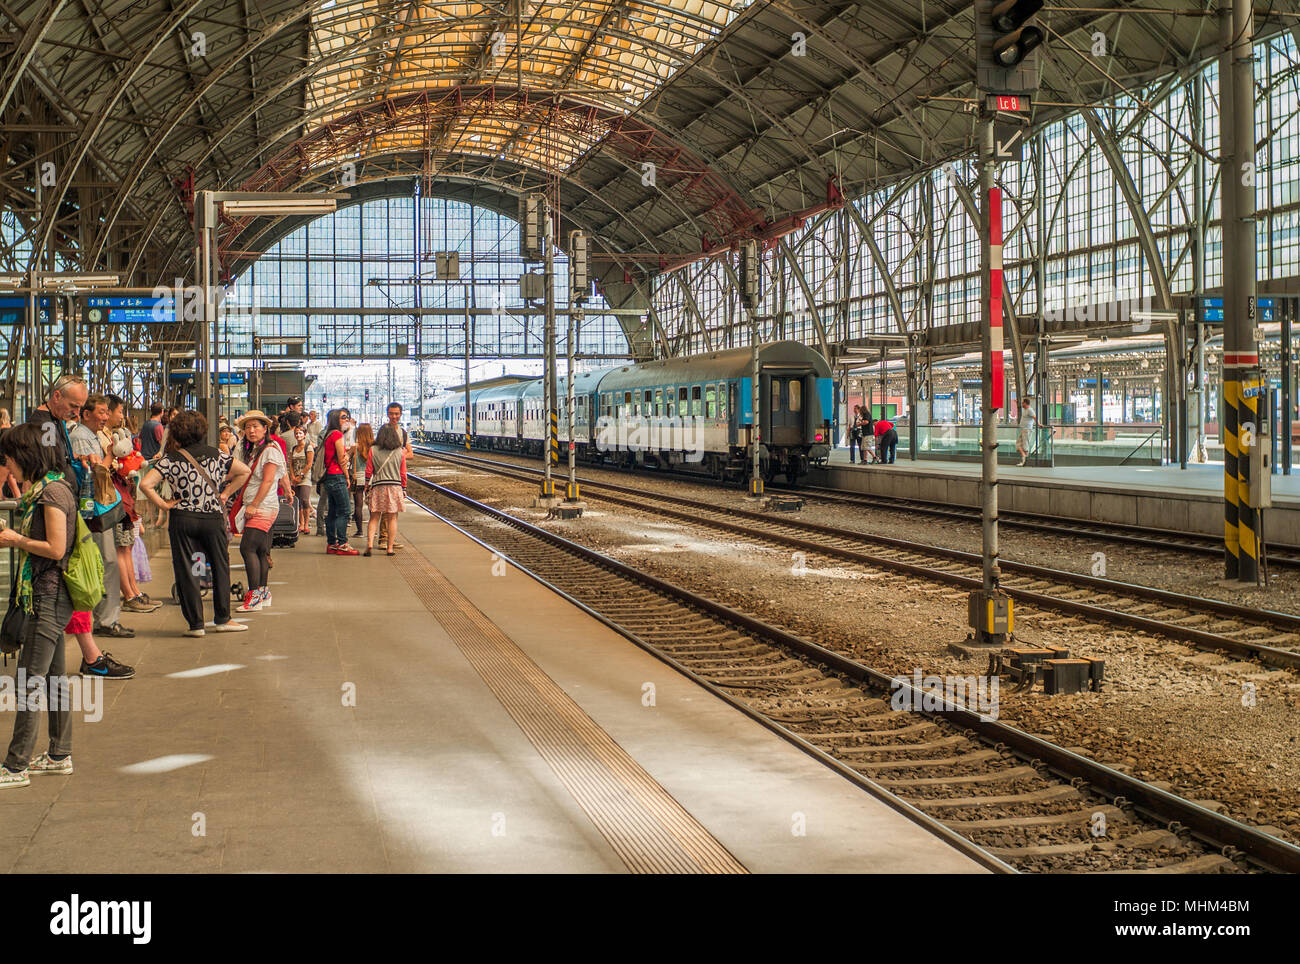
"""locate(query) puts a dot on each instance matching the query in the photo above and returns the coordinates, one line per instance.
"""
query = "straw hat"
(257, 414)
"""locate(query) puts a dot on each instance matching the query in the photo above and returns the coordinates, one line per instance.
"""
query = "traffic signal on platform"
(1006, 45)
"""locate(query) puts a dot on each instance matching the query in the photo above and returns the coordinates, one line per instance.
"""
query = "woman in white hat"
(261, 504)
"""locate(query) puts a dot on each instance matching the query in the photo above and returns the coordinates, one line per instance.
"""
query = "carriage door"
(786, 404)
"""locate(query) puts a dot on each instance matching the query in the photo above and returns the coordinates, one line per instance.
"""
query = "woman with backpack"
(44, 533)
(386, 481)
(262, 453)
(197, 524)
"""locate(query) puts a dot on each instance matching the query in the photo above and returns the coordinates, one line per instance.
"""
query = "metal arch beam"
(695, 308)
(26, 49)
(797, 271)
(868, 238)
(503, 188)
(93, 127)
(730, 206)
(163, 131)
(351, 51)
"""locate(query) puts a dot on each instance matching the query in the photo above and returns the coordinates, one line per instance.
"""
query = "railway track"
(1282, 556)
(1244, 632)
(1279, 555)
(1009, 799)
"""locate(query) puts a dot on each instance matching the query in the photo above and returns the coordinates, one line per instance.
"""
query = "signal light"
(1005, 42)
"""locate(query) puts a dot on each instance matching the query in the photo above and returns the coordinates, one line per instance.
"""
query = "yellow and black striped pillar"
(467, 441)
(1231, 484)
(1247, 439)
(555, 437)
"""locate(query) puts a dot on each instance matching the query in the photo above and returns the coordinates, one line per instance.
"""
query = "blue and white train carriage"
(690, 414)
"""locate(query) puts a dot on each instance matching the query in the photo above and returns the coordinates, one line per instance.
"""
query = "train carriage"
(689, 414)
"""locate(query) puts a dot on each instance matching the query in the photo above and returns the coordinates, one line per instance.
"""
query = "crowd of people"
(80, 460)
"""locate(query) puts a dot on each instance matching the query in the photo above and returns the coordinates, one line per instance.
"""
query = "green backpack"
(84, 576)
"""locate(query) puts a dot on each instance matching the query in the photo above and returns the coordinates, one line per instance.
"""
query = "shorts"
(304, 493)
(124, 537)
(79, 623)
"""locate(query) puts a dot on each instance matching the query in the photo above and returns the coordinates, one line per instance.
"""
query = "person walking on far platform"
(1028, 425)
(855, 436)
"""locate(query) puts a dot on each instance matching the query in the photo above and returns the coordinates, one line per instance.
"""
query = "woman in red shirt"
(335, 485)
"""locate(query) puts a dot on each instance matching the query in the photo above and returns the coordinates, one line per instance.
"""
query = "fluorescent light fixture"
(141, 355)
(277, 208)
(74, 279)
(282, 339)
(11, 280)
(183, 354)
(1156, 315)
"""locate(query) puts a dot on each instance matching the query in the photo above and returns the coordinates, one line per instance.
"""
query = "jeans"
(200, 539)
(340, 505)
(888, 446)
(358, 501)
(42, 660)
(109, 610)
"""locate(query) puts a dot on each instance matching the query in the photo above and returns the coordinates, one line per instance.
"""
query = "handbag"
(108, 520)
(13, 631)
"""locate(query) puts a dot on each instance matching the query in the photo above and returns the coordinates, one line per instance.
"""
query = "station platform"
(1158, 496)
(422, 713)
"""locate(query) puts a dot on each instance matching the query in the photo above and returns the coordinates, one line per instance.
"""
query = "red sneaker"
(331, 550)
(345, 550)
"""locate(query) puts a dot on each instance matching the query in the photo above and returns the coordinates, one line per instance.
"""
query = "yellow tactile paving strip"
(646, 827)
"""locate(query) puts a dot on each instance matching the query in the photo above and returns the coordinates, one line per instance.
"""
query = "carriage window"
(697, 406)
(627, 398)
(659, 397)
(710, 402)
(776, 395)
(722, 401)
(681, 395)
(796, 395)
(647, 401)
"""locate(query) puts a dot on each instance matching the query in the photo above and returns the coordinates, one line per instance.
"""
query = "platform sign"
(146, 310)
(13, 310)
(232, 378)
(1213, 309)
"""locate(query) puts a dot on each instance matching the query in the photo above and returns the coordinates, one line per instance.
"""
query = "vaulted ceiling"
(744, 111)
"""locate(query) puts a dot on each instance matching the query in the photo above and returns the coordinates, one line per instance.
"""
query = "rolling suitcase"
(284, 531)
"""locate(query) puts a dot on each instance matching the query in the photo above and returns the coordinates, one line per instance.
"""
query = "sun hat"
(257, 414)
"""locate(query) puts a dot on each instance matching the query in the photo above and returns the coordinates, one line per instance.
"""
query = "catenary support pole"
(1240, 350)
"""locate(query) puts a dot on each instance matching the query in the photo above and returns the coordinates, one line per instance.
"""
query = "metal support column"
(990, 608)
(756, 432)
(205, 226)
(1288, 307)
(551, 455)
(575, 322)
(1240, 350)
(469, 430)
